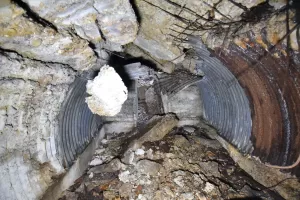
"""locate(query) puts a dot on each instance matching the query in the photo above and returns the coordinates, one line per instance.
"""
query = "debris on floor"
(162, 161)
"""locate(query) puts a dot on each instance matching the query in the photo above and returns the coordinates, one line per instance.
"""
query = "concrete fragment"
(96, 161)
(14, 66)
(229, 10)
(2, 119)
(70, 14)
(186, 103)
(125, 190)
(91, 175)
(123, 176)
(210, 168)
(155, 48)
(179, 181)
(107, 91)
(155, 130)
(109, 194)
(250, 3)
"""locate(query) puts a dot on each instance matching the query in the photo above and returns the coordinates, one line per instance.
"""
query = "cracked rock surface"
(43, 46)
(30, 39)
(31, 96)
(114, 19)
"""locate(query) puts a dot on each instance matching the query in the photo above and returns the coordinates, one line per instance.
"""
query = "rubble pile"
(163, 161)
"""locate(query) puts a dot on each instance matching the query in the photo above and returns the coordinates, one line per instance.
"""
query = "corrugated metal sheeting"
(254, 101)
(78, 125)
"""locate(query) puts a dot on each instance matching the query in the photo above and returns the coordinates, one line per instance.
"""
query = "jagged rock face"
(115, 19)
(30, 39)
(166, 24)
(43, 45)
(31, 96)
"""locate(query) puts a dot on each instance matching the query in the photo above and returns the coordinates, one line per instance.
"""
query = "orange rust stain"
(241, 44)
(260, 41)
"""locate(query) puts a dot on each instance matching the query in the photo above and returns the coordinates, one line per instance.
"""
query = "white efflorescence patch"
(107, 91)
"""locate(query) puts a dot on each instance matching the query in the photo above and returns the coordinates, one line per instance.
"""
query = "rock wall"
(31, 95)
(43, 46)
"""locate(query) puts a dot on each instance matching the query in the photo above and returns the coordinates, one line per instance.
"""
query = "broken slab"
(157, 128)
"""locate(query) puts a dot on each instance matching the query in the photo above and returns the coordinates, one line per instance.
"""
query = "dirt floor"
(165, 162)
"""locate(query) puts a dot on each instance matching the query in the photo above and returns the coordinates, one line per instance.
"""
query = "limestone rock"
(277, 4)
(116, 19)
(209, 187)
(156, 48)
(15, 67)
(187, 196)
(30, 39)
(153, 35)
(112, 166)
(107, 91)
(31, 94)
(229, 10)
(148, 167)
(250, 3)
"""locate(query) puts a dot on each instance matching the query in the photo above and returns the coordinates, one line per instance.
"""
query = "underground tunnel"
(149, 99)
